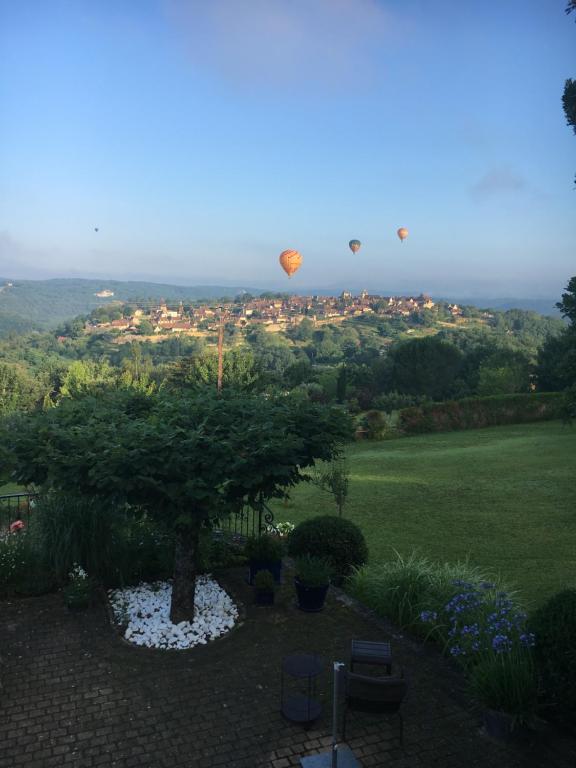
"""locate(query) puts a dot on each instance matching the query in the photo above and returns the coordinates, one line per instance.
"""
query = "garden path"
(76, 695)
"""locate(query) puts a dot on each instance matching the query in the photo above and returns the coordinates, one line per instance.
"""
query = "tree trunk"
(184, 584)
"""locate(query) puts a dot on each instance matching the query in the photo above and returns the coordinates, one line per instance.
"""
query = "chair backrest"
(376, 693)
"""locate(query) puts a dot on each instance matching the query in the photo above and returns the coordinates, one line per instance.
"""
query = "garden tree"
(427, 366)
(240, 370)
(185, 460)
(334, 477)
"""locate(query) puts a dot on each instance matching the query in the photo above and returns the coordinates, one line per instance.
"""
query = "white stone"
(147, 607)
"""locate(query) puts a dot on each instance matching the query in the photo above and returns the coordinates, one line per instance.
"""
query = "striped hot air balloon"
(290, 261)
(354, 245)
(402, 234)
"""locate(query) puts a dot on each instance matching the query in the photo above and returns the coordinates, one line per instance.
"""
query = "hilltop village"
(275, 313)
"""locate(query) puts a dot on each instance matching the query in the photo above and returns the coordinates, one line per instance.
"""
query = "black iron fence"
(249, 521)
(15, 507)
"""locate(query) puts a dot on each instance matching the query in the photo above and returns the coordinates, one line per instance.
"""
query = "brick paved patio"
(76, 695)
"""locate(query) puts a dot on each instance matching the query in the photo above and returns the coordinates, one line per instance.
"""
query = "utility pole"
(220, 350)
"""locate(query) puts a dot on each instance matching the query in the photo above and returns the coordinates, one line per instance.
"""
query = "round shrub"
(337, 540)
(554, 625)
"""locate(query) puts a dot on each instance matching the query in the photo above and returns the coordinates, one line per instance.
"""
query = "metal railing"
(15, 506)
(249, 521)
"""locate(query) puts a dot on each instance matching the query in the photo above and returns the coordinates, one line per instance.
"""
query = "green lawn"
(504, 497)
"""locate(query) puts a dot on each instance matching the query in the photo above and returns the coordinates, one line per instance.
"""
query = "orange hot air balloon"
(290, 261)
(402, 234)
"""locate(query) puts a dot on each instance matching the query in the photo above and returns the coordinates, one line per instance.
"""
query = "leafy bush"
(335, 539)
(554, 625)
(473, 413)
(264, 549)
(375, 424)
(264, 582)
(394, 401)
(313, 571)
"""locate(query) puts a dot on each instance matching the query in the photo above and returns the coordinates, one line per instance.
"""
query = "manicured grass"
(504, 497)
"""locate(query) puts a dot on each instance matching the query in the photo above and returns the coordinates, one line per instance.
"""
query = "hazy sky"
(203, 137)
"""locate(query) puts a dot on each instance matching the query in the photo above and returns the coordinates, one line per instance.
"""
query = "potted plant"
(264, 587)
(312, 582)
(79, 590)
(264, 553)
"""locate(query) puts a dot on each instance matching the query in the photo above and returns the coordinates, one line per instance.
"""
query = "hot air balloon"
(402, 233)
(290, 261)
(354, 245)
(95, 229)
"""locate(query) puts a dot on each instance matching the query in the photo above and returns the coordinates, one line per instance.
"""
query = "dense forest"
(368, 362)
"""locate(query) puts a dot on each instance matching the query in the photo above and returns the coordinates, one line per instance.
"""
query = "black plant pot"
(263, 598)
(310, 598)
(274, 566)
(501, 727)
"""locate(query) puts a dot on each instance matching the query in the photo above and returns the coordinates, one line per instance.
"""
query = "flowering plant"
(283, 529)
(486, 632)
(16, 526)
(78, 592)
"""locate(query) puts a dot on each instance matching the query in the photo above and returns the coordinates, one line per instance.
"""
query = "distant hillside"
(542, 306)
(45, 303)
(29, 304)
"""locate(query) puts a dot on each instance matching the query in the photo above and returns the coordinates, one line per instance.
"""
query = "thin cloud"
(496, 182)
(284, 43)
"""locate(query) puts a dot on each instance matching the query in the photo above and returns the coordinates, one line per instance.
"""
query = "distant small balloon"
(354, 245)
(95, 229)
(290, 261)
(402, 234)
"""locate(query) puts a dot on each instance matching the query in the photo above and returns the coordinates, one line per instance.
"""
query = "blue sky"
(203, 138)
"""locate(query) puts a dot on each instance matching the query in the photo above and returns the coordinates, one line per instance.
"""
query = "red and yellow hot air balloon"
(402, 234)
(290, 261)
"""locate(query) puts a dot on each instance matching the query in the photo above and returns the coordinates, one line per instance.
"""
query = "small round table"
(298, 687)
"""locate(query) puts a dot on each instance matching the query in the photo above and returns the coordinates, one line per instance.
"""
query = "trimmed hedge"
(335, 539)
(477, 412)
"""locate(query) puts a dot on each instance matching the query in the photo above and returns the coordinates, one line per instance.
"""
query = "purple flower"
(428, 616)
(501, 643)
(528, 639)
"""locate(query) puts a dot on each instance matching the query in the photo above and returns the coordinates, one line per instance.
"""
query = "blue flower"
(528, 639)
(428, 616)
(501, 643)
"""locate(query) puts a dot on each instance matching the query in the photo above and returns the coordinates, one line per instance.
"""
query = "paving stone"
(74, 694)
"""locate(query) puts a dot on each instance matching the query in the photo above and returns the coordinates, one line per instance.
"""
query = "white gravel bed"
(146, 611)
